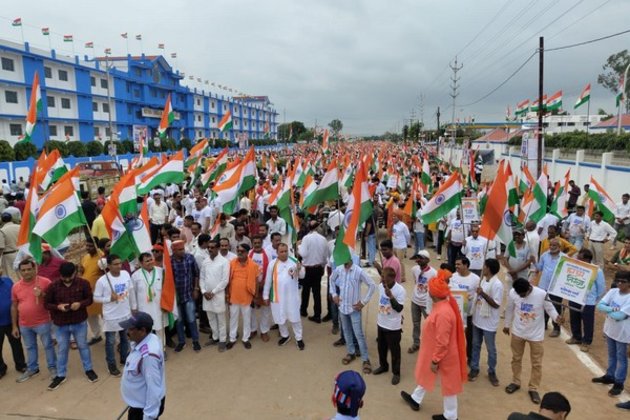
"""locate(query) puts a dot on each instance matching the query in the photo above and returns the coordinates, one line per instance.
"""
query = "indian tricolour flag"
(359, 207)
(561, 197)
(604, 203)
(328, 188)
(241, 179)
(444, 200)
(425, 175)
(34, 108)
(171, 171)
(497, 218)
(308, 192)
(226, 122)
(168, 116)
(325, 141)
(248, 173)
(55, 169)
(59, 213)
(139, 229)
(196, 152)
(585, 96)
(555, 101)
(215, 171)
(26, 239)
(346, 179)
(522, 108)
(284, 208)
(122, 244)
(536, 105)
(125, 194)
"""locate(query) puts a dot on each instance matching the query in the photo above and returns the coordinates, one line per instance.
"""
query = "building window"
(97, 132)
(198, 117)
(63, 75)
(10, 97)
(65, 103)
(198, 101)
(104, 83)
(199, 134)
(106, 108)
(93, 81)
(224, 107)
(47, 72)
(152, 92)
(137, 72)
(68, 130)
(108, 132)
(94, 107)
(16, 129)
(212, 103)
(50, 101)
(8, 65)
(52, 130)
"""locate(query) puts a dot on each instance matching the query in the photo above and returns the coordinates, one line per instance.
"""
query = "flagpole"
(127, 44)
(588, 116)
(22, 32)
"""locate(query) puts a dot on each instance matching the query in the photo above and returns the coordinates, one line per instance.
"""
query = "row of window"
(63, 74)
(68, 130)
(104, 83)
(105, 107)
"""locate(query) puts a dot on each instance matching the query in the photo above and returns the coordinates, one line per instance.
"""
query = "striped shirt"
(346, 283)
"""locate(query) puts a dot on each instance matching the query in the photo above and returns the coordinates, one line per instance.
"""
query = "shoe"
(410, 401)
(95, 340)
(533, 395)
(335, 330)
(439, 257)
(303, 314)
(274, 327)
(113, 370)
(625, 405)
(438, 417)
(26, 376)
(247, 345)
(492, 377)
(339, 343)
(229, 345)
(395, 379)
(180, 347)
(472, 375)
(512, 388)
(413, 349)
(264, 337)
(379, 370)
(367, 367)
(92, 376)
(617, 389)
(327, 318)
(211, 342)
(554, 333)
(315, 319)
(284, 340)
(573, 341)
(196, 346)
(585, 347)
(56, 382)
(222, 347)
(300, 345)
(606, 380)
(253, 334)
(205, 330)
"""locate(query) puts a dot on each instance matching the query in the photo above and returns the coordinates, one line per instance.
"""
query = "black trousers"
(155, 232)
(137, 413)
(557, 303)
(389, 340)
(469, 337)
(16, 349)
(312, 282)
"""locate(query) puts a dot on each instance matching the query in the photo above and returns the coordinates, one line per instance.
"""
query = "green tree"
(414, 130)
(94, 148)
(127, 146)
(613, 70)
(24, 150)
(76, 148)
(7, 154)
(185, 143)
(336, 126)
(405, 132)
(51, 145)
(295, 128)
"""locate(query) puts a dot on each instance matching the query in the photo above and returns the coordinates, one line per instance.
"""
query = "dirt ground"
(271, 382)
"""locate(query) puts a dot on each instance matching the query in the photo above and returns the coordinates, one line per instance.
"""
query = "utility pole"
(421, 108)
(541, 105)
(438, 133)
(455, 68)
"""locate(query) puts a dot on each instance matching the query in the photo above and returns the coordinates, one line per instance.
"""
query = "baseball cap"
(349, 390)
(422, 254)
(138, 320)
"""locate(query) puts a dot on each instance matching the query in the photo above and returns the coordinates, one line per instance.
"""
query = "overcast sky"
(365, 62)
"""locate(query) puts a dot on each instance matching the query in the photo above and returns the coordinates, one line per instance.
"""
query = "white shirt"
(533, 242)
(418, 226)
(158, 213)
(485, 316)
(246, 203)
(119, 310)
(421, 279)
(229, 256)
(623, 212)
(208, 215)
(387, 317)
(475, 251)
(199, 216)
(617, 330)
(577, 225)
(467, 284)
(400, 235)
(545, 222)
(456, 227)
(214, 277)
(335, 217)
(314, 250)
(278, 225)
(601, 231)
(526, 315)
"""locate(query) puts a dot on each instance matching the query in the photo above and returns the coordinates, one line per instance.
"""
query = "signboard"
(156, 113)
(392, 181)
(572, 279)
(529, 151)
(470, 210)
(461, 297)
(243, 140)
(139, 132)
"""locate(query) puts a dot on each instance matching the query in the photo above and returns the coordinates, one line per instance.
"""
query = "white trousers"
(295, 326)
(218, 325)
(94, 321)
(245, 310)
(450, 402)
(261, 317)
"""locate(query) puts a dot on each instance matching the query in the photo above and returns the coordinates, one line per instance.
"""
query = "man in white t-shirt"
(465, 281)
(486, 313)
(455, 238)
(525, 317)
(401, 237)
(389, 323)
(475, 248)
(622, 217)
(548, 220)
(422, 273)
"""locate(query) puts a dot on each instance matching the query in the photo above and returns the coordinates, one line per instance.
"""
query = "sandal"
(367, 367)
(512, 388)
(349, 358)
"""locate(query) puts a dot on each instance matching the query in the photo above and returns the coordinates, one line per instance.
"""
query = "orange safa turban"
(438, 285)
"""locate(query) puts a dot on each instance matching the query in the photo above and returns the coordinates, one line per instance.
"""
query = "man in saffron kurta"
(442, 350)
(241, 290)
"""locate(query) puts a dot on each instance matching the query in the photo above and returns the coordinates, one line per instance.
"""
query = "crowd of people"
(250, 268)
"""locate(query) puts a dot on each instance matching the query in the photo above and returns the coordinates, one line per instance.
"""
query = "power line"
(501, 10)
(589, 13)
(579, 44)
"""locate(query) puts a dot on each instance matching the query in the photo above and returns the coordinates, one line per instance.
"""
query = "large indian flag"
(139, 229)
(445, 199)
(25, 236)
(555, 101)
(34, 107)
(171, 171)
(328, 189)
(604, 203)
(248, 173)
(122, 245)
(55, 169)
(226, 122)
(125, 194)
(196, 152)
(240, 180)
(308, 192)
(218, 167)
(59, 213)
(561, 197)
(497, 218)
(168, 116)
(359, 206)
(585, 96)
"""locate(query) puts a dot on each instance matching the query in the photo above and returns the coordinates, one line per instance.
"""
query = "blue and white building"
(92, 98)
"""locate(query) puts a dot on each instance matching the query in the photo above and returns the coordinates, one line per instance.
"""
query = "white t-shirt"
(387, 317)
(421, 284)
(199, 217)
(548, 220)
(485, 316)
(456, 226)
(617, 330)
(475, 251)
(114, 311)
(468, 284)
(418, 226)
(526, 315)
(400, 235)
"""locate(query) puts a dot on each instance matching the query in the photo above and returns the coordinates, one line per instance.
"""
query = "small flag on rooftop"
(124, 35)
(139, 37)
(17, 22)
(161, 46)
(108, 50)
(173, 55)
(45, 31)
(68, 38)
(89, 45)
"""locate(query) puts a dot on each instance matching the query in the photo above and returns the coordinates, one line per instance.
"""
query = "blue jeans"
(419, 241)
(371, 248)
(79, 332)
(479, 336)
(617, 360)
(577, 241)
(29, 335)
(352, 324)
(110, 340)
(187, 314)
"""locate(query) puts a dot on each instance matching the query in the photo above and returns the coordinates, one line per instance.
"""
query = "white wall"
(57, 111)
(12, 108)
(54, 80)
(17, 75)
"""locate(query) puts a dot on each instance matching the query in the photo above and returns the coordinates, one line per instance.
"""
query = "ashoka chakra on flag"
(60, 211)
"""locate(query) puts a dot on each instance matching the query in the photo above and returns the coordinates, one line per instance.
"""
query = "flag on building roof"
(554, 103)
(359, 207)
(89, 45)
(60, 212)
(45, 31)
(17, 22)
(522, 108)
(34, 108)
(561, 198)
(139, 37)
(108, 51)
(121, 242)
(444, 200)
(584, 97)
(497, 218)
(602, 200)
(226, 122)
(68, 38)
(508, 114)
(161, 46)
(168, 116)
(29, 217)
(619, 96)
(174, 55)
(124, 35)
(535, 105)
(328, 188)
